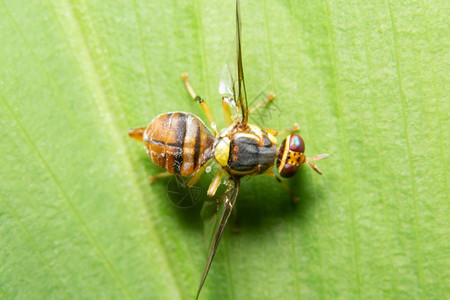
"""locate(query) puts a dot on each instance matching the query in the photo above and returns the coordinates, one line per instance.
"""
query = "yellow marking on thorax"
(247, 135)
(255, 129)
(271, 138)
(259, 132)
(222, 151)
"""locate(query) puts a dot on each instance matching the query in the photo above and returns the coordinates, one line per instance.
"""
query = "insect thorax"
(245, 152)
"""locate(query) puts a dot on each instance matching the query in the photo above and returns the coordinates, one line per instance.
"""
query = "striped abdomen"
(178, 142)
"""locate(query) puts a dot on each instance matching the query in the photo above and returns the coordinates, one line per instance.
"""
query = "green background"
(366, 81)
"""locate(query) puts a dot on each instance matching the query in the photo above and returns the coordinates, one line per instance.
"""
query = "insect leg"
(269, 98)
(310, 161)
(276, 132)
(159, 176)
(202, 102)
(295, 199)
(215, 183)
(196, 176)
(137, 133)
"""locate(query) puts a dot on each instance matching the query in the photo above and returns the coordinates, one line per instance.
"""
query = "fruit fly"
(180, 143)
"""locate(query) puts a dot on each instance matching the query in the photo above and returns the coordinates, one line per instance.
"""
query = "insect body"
(180, 143)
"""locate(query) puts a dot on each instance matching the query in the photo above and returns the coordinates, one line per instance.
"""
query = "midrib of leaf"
(344, 136)
(46, 166)
(98, 89)
(408, 146)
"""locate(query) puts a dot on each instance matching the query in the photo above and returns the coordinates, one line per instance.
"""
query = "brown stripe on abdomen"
(180, 132)
(197, 147)
(178, 142)
(190, 162)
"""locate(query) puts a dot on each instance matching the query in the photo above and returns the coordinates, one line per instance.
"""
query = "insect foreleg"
(276, 132)
(295, 199)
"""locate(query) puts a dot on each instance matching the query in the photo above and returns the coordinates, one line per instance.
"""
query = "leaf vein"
(97, 86)
(63, 192)
(343, 126)
(408, 145)
(36, 249)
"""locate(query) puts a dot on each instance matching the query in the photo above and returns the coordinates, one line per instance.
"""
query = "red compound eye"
(288, 170)
(296, 143)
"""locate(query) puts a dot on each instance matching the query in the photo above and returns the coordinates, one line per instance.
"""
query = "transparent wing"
(232, 84)
(227, 80)
(183, 195)
(226, 205)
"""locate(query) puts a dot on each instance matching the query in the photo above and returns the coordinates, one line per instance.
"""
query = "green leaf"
(366, 82)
